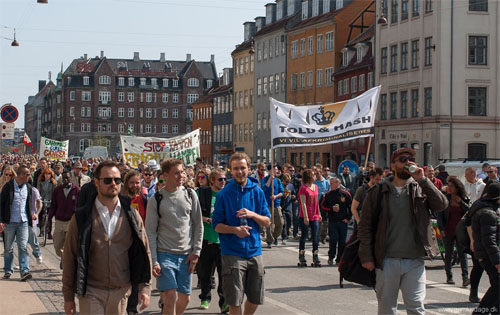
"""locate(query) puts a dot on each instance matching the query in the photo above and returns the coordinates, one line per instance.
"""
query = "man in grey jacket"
(175, 232)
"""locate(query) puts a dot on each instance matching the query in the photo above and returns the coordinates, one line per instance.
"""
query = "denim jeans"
(33, 241)
(407, 275)
(295, 218)
(20, 232)
(338, 233)
(449, 241)
(287, 216)
(304, 229)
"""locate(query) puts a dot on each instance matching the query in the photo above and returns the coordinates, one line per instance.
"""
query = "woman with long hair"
(8, 174)
(447, 222)
(201, 178)
(309, 216)
(46, 183)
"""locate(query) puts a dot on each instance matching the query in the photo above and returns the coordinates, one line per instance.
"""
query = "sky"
(62, 30)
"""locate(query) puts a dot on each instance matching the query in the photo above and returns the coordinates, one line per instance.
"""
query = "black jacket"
(205, 198)
(6, 198)
(486, 233)
(442, 217)
(340, 197)
(140, 265)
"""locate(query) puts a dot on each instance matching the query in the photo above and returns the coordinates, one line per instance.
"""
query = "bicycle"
(44, 223)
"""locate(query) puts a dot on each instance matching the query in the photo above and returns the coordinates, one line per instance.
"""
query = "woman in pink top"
(309, 215)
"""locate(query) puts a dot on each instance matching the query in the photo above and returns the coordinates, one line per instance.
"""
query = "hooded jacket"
(230, 199)
(485, 220)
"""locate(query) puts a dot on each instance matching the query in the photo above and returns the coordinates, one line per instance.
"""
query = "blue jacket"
(278, 189)
(230, 199)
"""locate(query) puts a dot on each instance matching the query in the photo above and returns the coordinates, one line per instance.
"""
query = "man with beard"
(78, 178)
(240, 209)
(43, 165)
(63, 205)
(106, 250)
(395, 238)
(149, 180)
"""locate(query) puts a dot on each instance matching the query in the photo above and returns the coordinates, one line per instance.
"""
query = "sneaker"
(39, 260)
(7, 275)
(275, 243)
(26, 276)
(224, 308)
(204, 305)
(450, 281)
(269, 245)
(474, 299)
(330, 262)
(283, 242)
(16, 267)
(296, 237)
(465, 282)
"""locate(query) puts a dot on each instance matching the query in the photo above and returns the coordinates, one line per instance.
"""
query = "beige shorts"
(241, 276)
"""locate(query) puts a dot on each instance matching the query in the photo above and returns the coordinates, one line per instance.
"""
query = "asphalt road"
(289, 289)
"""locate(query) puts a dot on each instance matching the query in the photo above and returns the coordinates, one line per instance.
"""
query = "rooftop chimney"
(212, 58)
(41, 84)
(260, 22)
(270, 13)
(188, 57)
(50, 75)
(136, 56)
(102, 54)
(85, 56)
(249, 30)
(162, 57)
(280, 9)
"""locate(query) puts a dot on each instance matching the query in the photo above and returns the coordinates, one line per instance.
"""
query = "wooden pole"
(272, 191)
(368, 151)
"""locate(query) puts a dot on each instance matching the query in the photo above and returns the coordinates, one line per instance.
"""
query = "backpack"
(350, 267)
(158, 197)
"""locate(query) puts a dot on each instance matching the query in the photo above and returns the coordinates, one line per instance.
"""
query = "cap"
(399, 152)
(153, 165)
(77, 165)
(493, 191)
(59, 164)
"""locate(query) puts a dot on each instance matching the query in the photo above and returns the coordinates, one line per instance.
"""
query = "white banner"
(143, 149)
(294, 126)
(54, 149)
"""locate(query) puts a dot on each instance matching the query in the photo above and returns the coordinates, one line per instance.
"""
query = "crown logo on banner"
(323, 118)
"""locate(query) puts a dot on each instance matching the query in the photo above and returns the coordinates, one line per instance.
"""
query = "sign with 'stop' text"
(54, 149)
(143, 149)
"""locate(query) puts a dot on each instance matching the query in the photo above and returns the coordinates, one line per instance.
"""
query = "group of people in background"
(115, 226)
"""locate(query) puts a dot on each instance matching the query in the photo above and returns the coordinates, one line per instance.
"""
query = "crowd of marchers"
(115, 227)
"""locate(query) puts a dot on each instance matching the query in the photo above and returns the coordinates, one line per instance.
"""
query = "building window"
(404, 56)
(130, 97)
(142, 81)
(259, 52)
(478, 50)
(394, 11)
(309, 79)
(370, 80)
(193, 82)
(302, 47)
(104, 79)
(72, 111)
(383, 106)
(131, 112)
(295, 49)
(175, 83)
(361, 82)
(319, 44)
(428, 54)
(415, 57)
(328, 76)
(415, 8)
(319, 77)
(149, 112)
(121, 96)
(414, 103)
(154, 83)
(148, 128)
(121, 112)
(283, 82)
(259, 87)
(394, 104)
(175, 129)
(329, 41)
(354, 84)
(104, 96)
(428, 6)
(175, 113)
(165, 83)
(394, 58)
(86, 95)
(164, 113)
(302, 80)
(340, 88)
(277, 82)
(121, 128)
(404, 104)
(346, 86)
(164, 97)
(271, 84)
(478, 5)
(71, 95)
(384, 7)
(191, 98)
(383, 60)
(131, 81)
(86, 80)
(477, 101)
(175, 98)
(294, 83)
(310, 43)
(71, 127)
(428, 101)
(476, 152)
(404, 10)
(264, 85)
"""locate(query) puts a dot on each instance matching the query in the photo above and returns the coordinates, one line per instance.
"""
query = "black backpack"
(158, 197)
(350, 267)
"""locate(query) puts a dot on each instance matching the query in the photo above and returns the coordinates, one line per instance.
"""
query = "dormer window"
(347, 55)
(85, 80)
(104, 79)
(344, 58)
(315, 7)
(339, 4)
(305, 9)
(143, 81)
(361, 50)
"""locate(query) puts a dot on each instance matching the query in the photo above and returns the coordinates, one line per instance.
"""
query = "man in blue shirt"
(273, 190)
(16, 218)
(323, 187)
(240, 209)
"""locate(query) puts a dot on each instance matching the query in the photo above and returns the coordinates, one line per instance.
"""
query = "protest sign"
(54, 149)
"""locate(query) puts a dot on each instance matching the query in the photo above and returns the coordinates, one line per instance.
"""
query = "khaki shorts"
(242, 276)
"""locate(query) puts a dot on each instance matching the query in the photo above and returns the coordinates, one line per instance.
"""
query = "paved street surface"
(289, 289)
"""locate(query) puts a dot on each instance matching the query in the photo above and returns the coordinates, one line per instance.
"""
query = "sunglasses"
(202, 176)
(490, 172)
(8, 174)
(161, 181)
(108, 180)
(148, 174)
(222, 179)
(406, 158)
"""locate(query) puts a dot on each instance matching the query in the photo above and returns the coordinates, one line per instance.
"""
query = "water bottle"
(243, 222)
(411, 168)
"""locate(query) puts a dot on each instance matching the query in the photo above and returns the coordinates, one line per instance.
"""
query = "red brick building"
(202, 119)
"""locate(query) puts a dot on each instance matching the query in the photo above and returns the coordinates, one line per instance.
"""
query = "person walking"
(77, 177)
(374, 178)
(106, 250)
(175, 232)
(473, 186)
(273, 190)
(240, 209)
(287, 204)
(395, 238)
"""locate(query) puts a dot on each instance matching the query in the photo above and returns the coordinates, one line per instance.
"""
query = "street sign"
(7, 131)
(353, 167)
(9, 113)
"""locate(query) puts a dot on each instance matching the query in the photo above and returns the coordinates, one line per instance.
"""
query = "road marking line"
(450, 288)
(286, 307)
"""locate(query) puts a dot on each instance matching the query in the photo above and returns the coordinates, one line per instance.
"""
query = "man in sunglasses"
(395, 238)
(210, 252)
(149, 180)
(106, 250)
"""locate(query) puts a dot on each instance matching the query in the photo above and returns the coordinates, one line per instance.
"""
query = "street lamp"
(382, 19)
(15, 43)
(42, 1)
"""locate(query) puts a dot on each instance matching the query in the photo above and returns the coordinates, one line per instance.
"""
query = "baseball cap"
(401, 151)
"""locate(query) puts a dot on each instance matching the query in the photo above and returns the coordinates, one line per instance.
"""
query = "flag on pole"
(27, 140)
